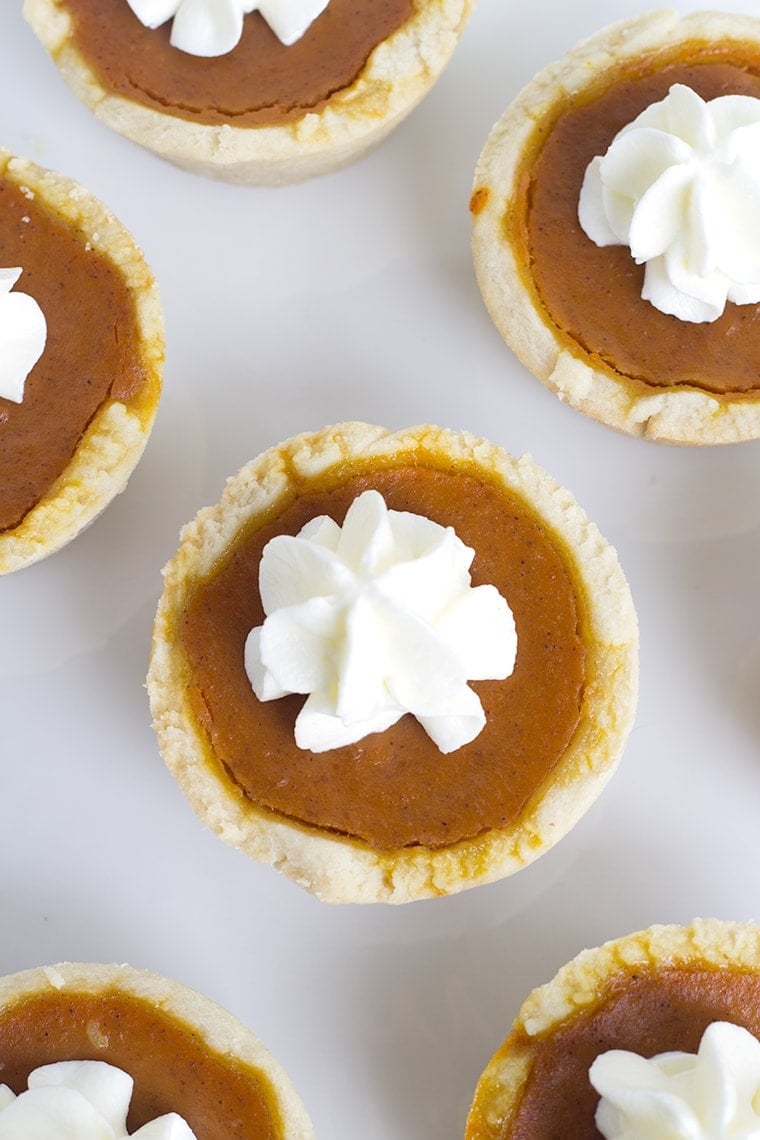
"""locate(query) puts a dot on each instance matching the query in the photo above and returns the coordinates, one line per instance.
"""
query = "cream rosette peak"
(79, 1100)
(711, 1095)
(23, 335)
(680, 186)
(214, 27)
(376, 619)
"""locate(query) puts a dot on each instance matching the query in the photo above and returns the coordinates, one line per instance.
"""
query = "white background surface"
(354, 297)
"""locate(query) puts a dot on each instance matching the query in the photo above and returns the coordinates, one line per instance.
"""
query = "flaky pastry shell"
(398, 73)
(579, 985)
(209, 1023)
(115, 438)
(676, 414)
(338, 868)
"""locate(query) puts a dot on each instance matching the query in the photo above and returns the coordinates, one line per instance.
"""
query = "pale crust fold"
(580, 984)
(339, 869)
(116, 436)
(398, 74)
(214, 1026)
(678, 414)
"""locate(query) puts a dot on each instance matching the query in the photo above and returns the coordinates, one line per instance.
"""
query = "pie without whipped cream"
(185, 1053)
(552, 293)
(391, 818)
(98, 291)
(351, 116)
(648, 993)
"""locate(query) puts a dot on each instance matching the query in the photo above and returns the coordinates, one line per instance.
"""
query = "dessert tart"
(185, 1054)
(648, 994)
(74, 424)
(264, 111)
(571, 309)
(399, 813)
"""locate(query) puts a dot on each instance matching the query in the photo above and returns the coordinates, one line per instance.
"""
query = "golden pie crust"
(676, 413)
(399, 73)
(207, 1022)
(115, 438)
(338, 868)
(708, 943)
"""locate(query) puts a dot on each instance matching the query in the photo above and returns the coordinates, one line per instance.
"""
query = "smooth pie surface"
(395, 788)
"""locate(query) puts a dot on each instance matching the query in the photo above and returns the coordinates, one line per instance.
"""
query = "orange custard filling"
(396, 789)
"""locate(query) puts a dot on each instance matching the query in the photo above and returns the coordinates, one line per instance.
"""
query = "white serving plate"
(353, 297)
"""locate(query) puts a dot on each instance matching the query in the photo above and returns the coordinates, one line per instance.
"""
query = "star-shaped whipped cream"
(711, 1095)
(680, 186)
(376, 619)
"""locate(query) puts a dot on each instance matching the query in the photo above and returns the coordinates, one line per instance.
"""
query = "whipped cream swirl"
(79, 1100)
(214, 27)
(680, 186)
(23, 333)
(373, 620)
(711, 1095)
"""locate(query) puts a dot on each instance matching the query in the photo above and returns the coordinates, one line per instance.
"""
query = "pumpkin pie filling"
(648, 1011)
(396, 789)
(260, 83)
(91, 355)
(592, 295)
(173, 1069)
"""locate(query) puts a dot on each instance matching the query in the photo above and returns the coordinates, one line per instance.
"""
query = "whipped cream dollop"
(23, 333)
(373, 620)
(711, 1095)
(214, 27)
(79, 1100)
(680, 186)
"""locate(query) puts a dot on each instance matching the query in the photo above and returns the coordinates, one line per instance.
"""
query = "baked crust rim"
(218, 1029)
(713, 942)
(115, 438)
(339, 868)
(399, 73)
(678, 414)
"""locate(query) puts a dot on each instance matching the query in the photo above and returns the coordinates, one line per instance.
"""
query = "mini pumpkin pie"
(186, 1055)
(80, 371)
(263, 111)
(611, 232)
(421, 558)
(623, 1020)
